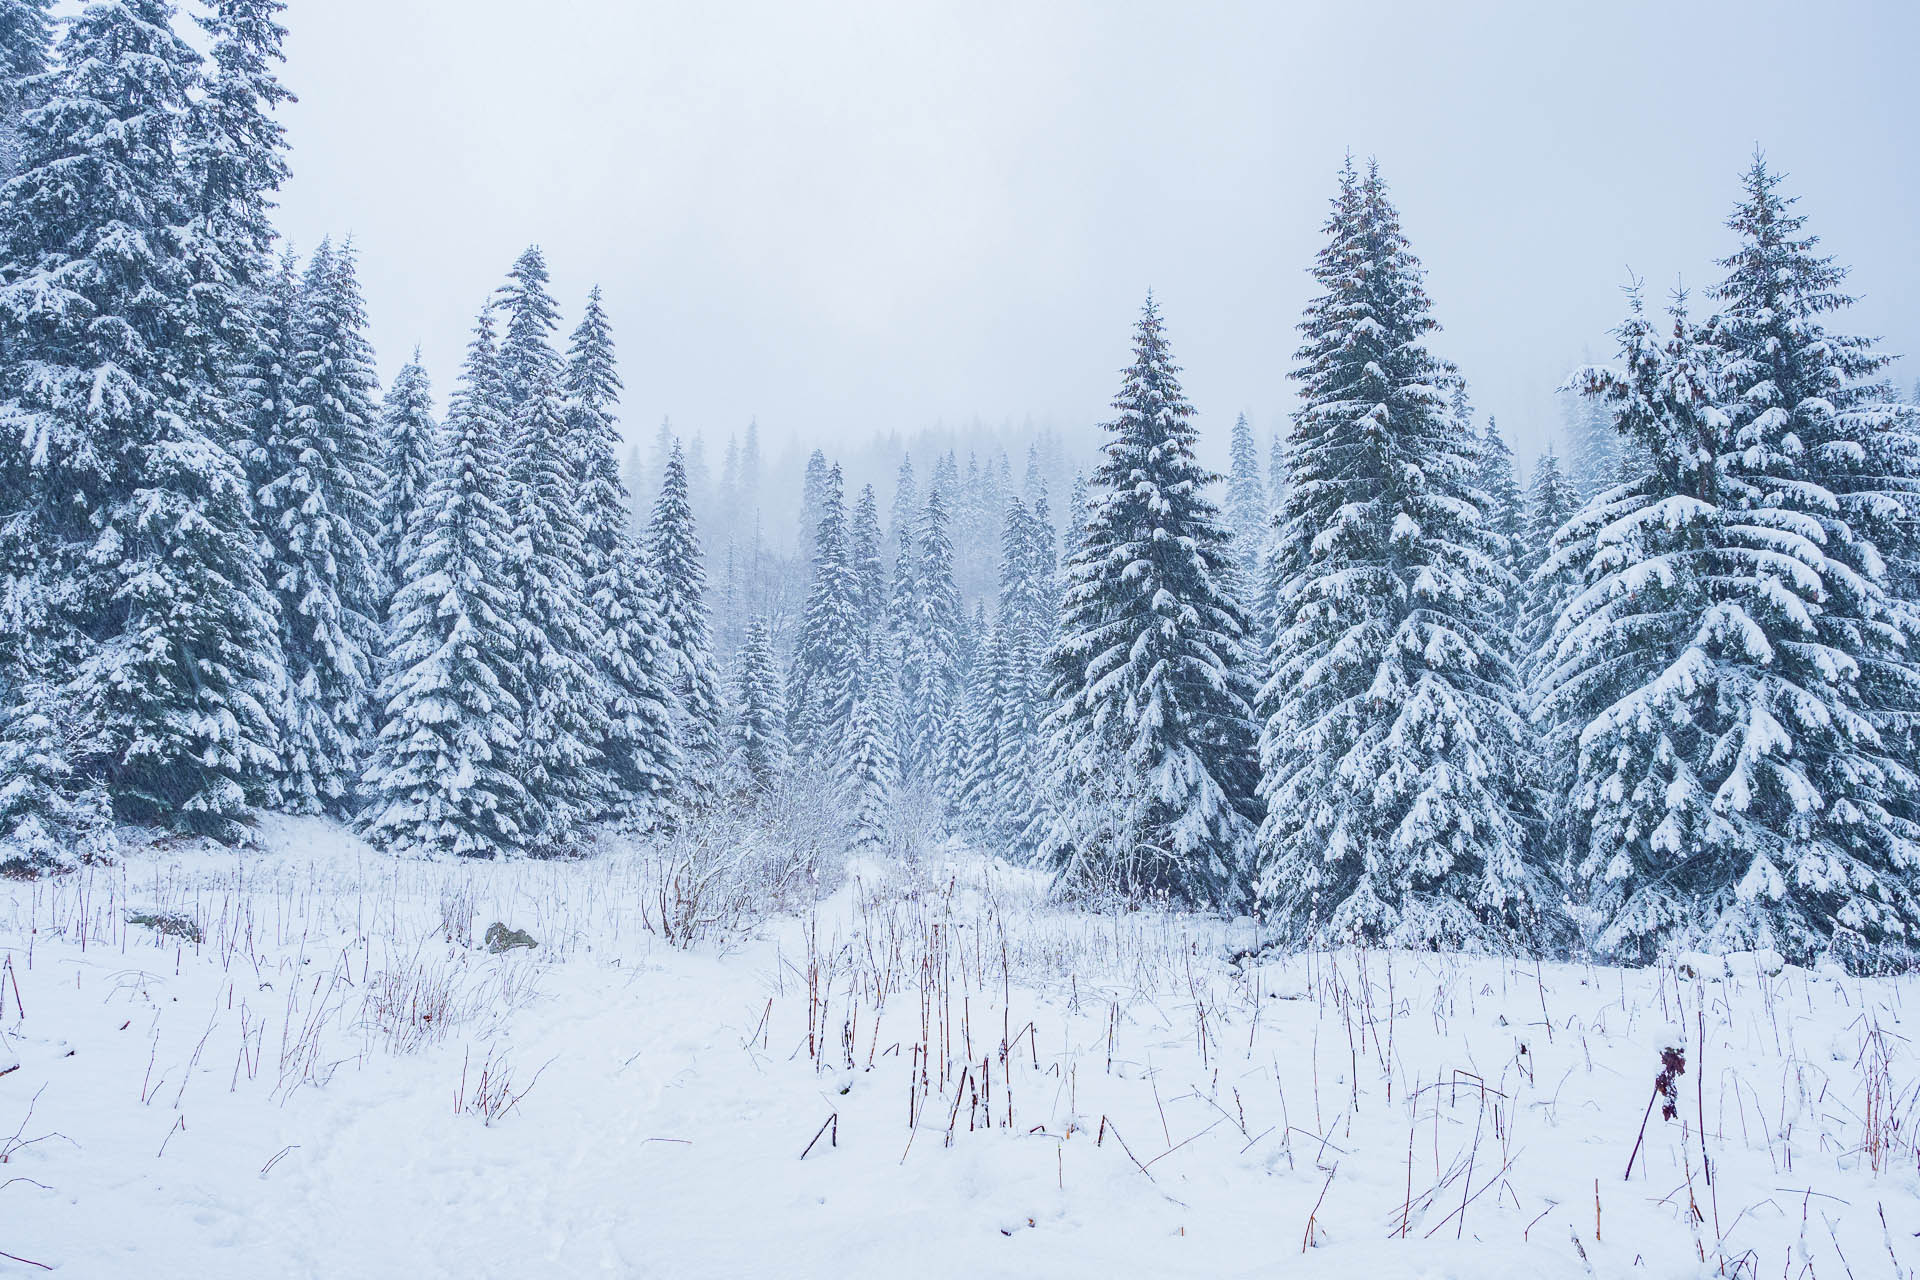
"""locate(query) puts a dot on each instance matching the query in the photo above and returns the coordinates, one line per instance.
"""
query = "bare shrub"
(723, 873)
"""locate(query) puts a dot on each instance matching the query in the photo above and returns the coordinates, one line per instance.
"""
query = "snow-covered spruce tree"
(317, 508)
(441, 778)
(827, 652)
(1505, 512)
(51, 817)
(982, 761)
(233, 158)
(26, 41)
(1393, 744)
(673, 552)
(905, 509)
(563, 702)
(235, 150)
(1246, 506)
(1551, 502)
(868, 770)
(813, 507)
(408, 438)
(1278, 474)
(1817, 407)
(1012, 685)
(759, 714)
(244, 320)
(1734, 786)
(971, 642)
(1152, 733)
(265, 374)
(1035, 598)
(1033, 484)
(128, 550)
(864, 553)
(945, 481)
(929, 647)
(637, 747)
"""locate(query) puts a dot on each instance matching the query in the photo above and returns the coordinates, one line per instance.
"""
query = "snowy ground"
(306, 1089)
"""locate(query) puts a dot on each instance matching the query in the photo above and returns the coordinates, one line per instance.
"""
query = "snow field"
(931, 1071)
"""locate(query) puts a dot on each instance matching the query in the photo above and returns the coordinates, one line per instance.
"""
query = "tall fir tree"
(233, 159)
(1006, 692)
(759, 714)
(128, 548)
(1278, 473)
(864, 550)
(929, 656)
(1551, 502)
(813, 506)
(563, 701)
(235, 149)
(318, 509)
(983, 761)
(1813, 407)
(673, 550)
(944, 481)
(1393, 746)
(1505, 512)
(636, 747)
(408, 445)
(265, 379)
(905, 509)
(441, 778)
(869, 771)
(1726, 663)
(1152, 731)
(826, 656)
(1246, 512)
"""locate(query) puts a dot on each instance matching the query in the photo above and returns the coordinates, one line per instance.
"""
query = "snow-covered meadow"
(309, 1063)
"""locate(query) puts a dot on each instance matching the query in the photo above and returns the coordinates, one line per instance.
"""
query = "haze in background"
(870, 216)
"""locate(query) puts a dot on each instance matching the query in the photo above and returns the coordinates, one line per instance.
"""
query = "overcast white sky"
(851, 217)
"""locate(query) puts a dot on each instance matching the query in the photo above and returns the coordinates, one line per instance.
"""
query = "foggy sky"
(882, 214)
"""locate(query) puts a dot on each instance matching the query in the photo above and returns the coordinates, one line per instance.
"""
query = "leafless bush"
(725, 872)
(920, 826)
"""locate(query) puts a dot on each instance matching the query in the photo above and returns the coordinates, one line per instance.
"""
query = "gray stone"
(500, 938)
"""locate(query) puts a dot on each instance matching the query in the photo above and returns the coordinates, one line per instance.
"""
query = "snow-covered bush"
(724, 872)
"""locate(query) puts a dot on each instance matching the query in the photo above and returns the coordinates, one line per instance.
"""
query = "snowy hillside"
(309, 1063)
